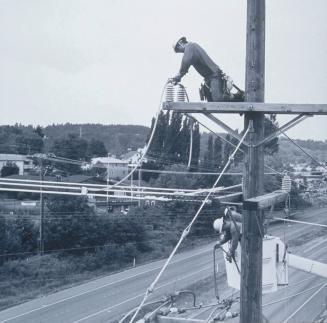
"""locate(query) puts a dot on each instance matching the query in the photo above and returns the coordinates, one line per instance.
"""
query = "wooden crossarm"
(265, 201)
(243, 107)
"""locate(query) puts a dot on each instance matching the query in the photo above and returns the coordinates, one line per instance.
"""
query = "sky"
(106, 61)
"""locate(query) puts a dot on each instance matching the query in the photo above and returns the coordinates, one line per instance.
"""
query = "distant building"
(23, 163)
(117, 168)
(133, 157)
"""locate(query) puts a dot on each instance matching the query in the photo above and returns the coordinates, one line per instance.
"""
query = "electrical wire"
(304, 151)
(293, 295)
(149, 142)
(301, 222)
(187, 229)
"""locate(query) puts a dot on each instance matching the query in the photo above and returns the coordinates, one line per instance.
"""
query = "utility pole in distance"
(251, 266)
(41, 243)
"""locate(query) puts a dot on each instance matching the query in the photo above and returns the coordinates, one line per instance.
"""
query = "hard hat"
(181, 39)
(218, 224)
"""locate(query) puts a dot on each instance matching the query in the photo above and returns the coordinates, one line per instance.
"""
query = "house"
(117, 168)
(133, 157)
(23, 163)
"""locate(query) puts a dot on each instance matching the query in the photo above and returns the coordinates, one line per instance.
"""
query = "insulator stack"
(181, 95)
(169, 93)
(286, 183)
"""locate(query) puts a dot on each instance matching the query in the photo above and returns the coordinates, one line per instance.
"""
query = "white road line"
(140, 295)
(306, 302)
(100, 287)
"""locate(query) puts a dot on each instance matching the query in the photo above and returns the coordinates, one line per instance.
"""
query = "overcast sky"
(106, 61)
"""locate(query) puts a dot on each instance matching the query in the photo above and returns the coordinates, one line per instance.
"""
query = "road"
(106, 299)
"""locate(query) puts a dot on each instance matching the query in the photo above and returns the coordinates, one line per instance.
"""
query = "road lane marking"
(126, 278)
(100, 287)
(140, 295)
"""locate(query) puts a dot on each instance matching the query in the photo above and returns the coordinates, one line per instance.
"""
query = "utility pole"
(251, 266)
(41, 243)
(139, 182)
(108, 164)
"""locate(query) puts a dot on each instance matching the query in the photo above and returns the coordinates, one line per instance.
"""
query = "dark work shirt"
(195, 55)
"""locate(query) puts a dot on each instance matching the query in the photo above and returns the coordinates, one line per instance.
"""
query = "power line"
(305, 152)
(186, 230)
(302, 222)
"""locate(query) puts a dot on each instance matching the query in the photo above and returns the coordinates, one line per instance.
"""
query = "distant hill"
(117, 138)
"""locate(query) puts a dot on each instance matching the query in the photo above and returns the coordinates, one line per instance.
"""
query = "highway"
(107, 299)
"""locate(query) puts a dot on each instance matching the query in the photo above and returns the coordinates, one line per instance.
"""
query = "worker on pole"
(216, 85)
(229, 228)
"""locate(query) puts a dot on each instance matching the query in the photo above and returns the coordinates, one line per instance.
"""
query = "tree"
(175, 180)
(208, 157)
(29, 143)
(271, 125)
(71, 147)
(184, 140)
(171, 143)
(217, 153)
(96, 148)
(39, 131)
(196, 147)
(157, 144)
(9, 169)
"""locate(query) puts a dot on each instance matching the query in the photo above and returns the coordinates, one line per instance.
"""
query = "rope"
(187, 229)
(302, 222)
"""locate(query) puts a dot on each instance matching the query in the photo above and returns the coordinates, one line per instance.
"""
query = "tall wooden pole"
(251, 266)
(41, 238)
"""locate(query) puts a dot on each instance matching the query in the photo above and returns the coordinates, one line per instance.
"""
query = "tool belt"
(227, 86)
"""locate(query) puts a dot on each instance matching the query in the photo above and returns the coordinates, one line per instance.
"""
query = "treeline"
(117, 139)
(19, 139)
(171, 140)
(72, 226)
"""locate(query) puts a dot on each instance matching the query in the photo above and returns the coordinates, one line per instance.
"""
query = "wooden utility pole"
(41, 238)
(251, 266)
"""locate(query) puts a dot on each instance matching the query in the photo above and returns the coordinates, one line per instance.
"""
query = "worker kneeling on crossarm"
(229, 228)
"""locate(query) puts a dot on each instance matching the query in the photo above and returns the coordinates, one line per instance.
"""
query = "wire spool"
(170, 92)
(286, 183)
(181, 95)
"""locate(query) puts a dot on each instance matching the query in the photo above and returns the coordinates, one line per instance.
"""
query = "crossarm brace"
(283, 128)
(225, 127)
